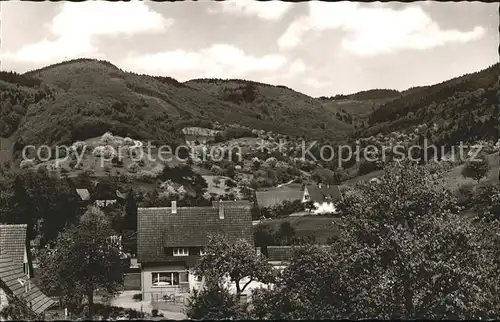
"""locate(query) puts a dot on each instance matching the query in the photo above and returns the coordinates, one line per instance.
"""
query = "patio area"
(170, 310)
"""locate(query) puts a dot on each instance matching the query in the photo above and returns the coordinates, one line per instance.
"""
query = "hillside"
(84, 98)
(465, 108)
(354, 109)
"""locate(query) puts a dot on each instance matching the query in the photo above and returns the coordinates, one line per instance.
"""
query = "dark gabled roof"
(271, 198)
(324, 193)
(13, 277)
(158, 228)
(13, 241)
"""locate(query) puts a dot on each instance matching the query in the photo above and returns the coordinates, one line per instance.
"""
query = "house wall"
(150, 292)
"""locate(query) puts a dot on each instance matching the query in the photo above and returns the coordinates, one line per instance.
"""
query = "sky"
(317, 48)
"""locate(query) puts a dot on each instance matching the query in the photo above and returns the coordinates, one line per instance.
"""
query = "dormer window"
(181, 252)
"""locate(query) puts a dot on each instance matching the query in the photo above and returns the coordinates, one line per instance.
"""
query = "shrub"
(367, 167)
(88, 172)
(154, 312)
(137, 297)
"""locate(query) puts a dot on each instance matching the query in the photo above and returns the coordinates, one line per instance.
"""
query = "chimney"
(174, 207)
(221, 210)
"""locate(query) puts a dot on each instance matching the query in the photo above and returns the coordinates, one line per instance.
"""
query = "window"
(202, 252)
(181, 252)
(162, 279)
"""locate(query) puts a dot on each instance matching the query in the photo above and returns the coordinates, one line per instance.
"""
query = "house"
(170, 241)
(14, 242)
(323, 197)
(276, 197)
(15, 285)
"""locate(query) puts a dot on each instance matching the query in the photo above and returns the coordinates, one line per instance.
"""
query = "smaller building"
(325, 198)
(170, 241)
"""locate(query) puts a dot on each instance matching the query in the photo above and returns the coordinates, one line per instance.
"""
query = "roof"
(84, 194)
(121, 195)
(13, 277)
(324, 193)
(13, 241)
(158, 228)
(271, 198)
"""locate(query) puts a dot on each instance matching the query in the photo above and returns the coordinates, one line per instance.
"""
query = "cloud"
(216, 61)
(376, 29)
(77, 24)
(267, 10)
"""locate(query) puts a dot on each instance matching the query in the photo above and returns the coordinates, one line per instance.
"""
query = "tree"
(285, 233)
(486, 202)
(230, 183)
(309, 288)
(84, 259)
(476, 169)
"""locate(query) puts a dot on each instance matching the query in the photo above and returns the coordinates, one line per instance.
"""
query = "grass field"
(132, 282)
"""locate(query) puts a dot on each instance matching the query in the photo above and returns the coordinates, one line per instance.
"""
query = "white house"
(324, 198)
